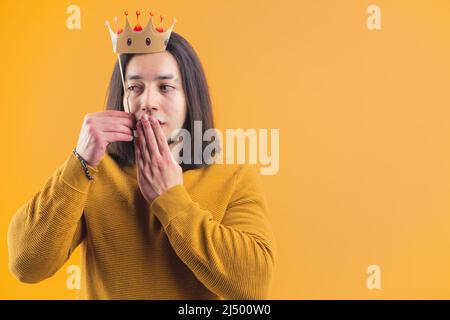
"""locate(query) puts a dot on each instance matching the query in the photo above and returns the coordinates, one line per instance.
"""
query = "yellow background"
(364, 123)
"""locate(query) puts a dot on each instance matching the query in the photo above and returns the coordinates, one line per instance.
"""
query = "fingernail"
(145, 116)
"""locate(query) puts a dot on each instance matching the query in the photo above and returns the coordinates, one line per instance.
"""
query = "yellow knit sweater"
(207, 239)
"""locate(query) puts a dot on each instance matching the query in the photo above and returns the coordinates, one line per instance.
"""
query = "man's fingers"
(115, 128)
(113, 116)
(117, 136)
(130, 123)
(150, 138)
(113, 113)
(137, 154)
(160, 138)
(142, 143)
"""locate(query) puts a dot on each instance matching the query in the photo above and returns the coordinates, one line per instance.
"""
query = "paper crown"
(138, 40)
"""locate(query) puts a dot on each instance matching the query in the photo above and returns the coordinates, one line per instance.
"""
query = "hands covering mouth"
(157, 170)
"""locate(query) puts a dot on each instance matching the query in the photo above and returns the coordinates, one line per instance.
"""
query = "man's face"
(154, 87)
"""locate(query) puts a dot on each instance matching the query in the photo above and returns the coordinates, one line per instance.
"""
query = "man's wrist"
(84, 165)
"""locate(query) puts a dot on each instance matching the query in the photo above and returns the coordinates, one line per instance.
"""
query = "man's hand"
(157, 170)
(100, 129)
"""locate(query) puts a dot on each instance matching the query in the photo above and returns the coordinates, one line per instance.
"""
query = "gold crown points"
(140, 40)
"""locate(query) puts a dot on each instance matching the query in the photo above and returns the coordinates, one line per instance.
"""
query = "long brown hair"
(198, 101)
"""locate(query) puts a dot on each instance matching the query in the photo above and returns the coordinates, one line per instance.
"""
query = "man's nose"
(150, 101)
(149, 108)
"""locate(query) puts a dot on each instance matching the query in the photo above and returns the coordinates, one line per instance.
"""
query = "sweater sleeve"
(233, 258)
(44, 231)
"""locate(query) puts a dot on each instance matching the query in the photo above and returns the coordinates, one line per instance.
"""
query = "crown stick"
(122, 75)
(123, 82)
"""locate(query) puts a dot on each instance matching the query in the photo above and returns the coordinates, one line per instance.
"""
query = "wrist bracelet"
(83, 164)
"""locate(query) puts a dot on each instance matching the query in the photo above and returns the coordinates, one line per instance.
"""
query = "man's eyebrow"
(160, 77)
(165, 77)
(134, 77)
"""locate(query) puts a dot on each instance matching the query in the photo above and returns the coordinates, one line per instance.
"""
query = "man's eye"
(134, 88)
(165, 87)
